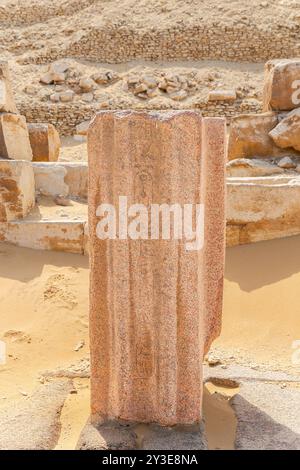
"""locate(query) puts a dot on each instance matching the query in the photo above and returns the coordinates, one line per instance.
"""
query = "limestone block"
(7, 104)
(249, 136)
(44, 141)
(262, 208)
(63, 178)
(14, 138)
(155, 306)
(282, 85)
(56, 235)
(222, 95)
(17, 196)
(50, 179)
(287, 133)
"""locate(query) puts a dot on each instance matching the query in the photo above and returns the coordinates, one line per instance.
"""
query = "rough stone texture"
(272, 410)
(63, 178)
(279, 92)
(222, 95)
(50, 179)
(249, 136)
(262, 208)
(251, 167)
(14, 138)
(287, 133)
(77, 179)
(34, 424)
(57, 235)
(17, 196)
(44, 141)
(7, 104)
(175, 438)
(66, 116)
(108, 436)
(150, 299)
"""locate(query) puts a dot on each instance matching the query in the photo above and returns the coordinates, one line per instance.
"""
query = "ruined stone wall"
(121, 44)
(65, 116)
(35, 11)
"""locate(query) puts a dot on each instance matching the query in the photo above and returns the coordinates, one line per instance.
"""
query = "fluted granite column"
(155, 307)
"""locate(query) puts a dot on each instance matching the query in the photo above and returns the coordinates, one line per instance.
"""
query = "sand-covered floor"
(44, 323)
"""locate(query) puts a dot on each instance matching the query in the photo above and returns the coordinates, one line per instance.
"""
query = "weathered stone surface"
(34, 424)
(262, 208)
(57, 235)
(278, 419)
(44, 141)
(282, 85)
(286, 163)
(175, 438)
(14, 138)
(64, 178)
(222, 95)
(7, 104)
(151, 298)
(287, 132)
(50, 179)
(249, 136)
(251, 167)
(108, 436)
(17, 196)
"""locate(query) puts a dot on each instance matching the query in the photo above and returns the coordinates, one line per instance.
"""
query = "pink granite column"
(154, 306)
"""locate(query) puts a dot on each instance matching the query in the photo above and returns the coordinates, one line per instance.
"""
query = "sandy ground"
(44, 319)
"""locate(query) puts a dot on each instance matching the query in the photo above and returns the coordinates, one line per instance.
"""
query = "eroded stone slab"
(14, 138)
(34, 424)
(108, 436)
(17, 194)
(44, 141)
(155, 307)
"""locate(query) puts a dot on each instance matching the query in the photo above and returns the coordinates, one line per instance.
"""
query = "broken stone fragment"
(87, 97)
(249, 136)
(286, 163)
(222, 95)
(82, 128)
(105, 78)
(44, 141)
(66, 96)
(17, 195)
(282, 85)
(7, 103)
(52, 77)
(86, 84)
(149, 81)
(14, 137)
(179, 95)
(287, 133)
(58, 67)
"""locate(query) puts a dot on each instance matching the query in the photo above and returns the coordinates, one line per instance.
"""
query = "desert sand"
(44, 322)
